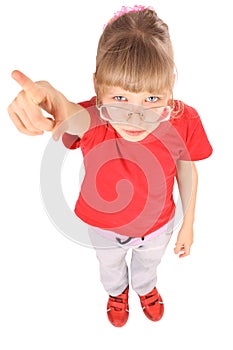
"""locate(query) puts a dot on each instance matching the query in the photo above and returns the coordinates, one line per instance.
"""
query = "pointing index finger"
(28, 86)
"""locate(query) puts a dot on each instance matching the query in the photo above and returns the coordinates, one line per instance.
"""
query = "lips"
(134, 132)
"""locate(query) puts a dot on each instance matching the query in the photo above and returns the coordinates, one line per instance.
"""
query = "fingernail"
(56, 137)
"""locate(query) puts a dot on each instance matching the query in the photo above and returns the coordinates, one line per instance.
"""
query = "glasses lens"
(119, 114)
(113, 113)
(157, 114)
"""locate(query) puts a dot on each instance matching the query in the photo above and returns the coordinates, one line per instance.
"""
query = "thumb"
(60, 128)
(57, 131)
(178, 247)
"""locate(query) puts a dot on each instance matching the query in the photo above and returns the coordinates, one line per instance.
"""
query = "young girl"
(135, 139)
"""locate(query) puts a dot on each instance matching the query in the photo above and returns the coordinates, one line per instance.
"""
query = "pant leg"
(112, 264)
(144, 263)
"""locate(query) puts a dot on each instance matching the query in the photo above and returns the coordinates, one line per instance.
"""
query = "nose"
(135, 117)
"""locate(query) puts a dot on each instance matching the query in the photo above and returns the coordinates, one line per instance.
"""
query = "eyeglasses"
(119, 114)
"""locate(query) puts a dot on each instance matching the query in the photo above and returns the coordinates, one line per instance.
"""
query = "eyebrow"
(124, 93)
(116, 91)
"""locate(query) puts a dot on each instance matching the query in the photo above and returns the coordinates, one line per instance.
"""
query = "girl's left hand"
(184, 242)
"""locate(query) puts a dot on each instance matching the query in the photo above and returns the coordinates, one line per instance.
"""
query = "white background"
(50, 294)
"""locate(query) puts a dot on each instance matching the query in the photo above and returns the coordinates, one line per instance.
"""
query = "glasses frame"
(140, 113)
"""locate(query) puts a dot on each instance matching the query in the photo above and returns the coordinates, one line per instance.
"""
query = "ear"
(96, 88)
(94, 82)
(175, 73)
(173, 84)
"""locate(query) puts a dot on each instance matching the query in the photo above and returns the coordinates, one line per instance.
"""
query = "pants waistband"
(133, 241)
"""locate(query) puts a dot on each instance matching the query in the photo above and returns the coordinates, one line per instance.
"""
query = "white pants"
(145, 259)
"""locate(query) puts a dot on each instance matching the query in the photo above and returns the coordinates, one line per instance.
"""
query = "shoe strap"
(117, 304)
(150, 300)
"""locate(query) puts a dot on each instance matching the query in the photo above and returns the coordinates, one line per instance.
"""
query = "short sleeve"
(71, 141)
(191, 129)
(197, 142)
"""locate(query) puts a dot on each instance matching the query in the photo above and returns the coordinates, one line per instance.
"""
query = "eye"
(152, 99)
(119, 98)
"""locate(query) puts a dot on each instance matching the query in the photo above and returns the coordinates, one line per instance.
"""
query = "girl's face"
(134, 128)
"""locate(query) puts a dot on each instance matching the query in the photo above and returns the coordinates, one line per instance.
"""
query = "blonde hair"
(135, 53)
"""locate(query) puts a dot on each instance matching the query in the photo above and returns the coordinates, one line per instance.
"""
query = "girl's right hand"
(26, 109)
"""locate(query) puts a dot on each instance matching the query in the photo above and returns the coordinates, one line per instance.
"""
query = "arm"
(187, 180)
(26, 110)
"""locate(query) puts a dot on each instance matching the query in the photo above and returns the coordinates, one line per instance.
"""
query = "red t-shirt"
(128, 186)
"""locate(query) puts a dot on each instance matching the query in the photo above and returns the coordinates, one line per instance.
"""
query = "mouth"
(134, 132)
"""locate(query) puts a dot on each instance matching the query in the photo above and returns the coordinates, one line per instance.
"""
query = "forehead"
(118, 91)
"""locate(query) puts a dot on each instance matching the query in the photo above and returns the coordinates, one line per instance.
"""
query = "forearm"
(187, 180)
(77, 121)
(187, 183)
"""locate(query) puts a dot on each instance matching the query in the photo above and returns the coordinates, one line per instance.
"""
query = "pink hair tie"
(127, 9)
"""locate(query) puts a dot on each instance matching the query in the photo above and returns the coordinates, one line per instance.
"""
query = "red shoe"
(152, 305)
(118, 309)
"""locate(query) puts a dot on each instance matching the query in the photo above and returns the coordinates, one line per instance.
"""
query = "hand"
(26, 109)
(184, 242)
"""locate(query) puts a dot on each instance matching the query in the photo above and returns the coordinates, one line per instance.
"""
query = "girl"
(136, 139)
